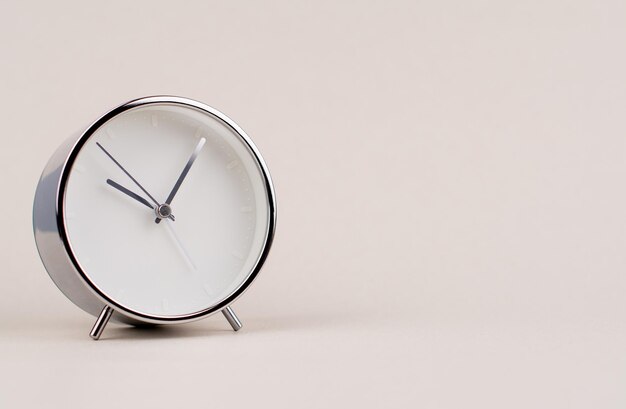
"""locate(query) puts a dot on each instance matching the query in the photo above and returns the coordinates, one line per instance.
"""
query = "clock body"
(163, 209)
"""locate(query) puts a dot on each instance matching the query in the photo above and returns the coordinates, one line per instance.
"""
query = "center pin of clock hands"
(162, 210)
(192, 159)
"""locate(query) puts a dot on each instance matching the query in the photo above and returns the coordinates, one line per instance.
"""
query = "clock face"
(166, 210)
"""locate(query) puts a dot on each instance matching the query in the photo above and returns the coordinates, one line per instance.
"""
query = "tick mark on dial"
(232, 165)
(198, 133)
(237, 255)
(155, 121)
(246, 209)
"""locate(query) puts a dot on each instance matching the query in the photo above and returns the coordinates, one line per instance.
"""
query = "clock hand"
(129, 193)
(192, 159)
(133, 195)
(128, 174)
(181, 248)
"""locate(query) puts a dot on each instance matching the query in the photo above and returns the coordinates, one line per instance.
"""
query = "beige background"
(450, 178)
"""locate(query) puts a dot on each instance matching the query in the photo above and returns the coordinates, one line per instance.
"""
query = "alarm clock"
(161, 212)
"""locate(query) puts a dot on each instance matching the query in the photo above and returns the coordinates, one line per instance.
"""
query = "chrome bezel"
(74, 267)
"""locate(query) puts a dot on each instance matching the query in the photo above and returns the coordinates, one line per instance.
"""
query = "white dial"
(166, 210)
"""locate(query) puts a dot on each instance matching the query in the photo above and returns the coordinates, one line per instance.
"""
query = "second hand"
(128, 174)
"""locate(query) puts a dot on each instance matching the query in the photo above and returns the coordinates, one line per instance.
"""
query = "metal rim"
(269, 189)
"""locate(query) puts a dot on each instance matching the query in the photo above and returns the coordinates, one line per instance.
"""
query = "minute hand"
(192, 159)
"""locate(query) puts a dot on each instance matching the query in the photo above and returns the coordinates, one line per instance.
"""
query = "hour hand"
(132, 194)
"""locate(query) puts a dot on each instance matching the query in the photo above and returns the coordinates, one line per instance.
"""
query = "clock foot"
(232, 318)
(101, 322)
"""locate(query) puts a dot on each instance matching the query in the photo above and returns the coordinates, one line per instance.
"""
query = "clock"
(162, 211)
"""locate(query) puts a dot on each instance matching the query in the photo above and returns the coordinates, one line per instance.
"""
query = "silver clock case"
(51, 237)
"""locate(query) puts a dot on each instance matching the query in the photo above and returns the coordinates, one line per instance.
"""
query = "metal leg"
(232, 318)
(101, 322)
